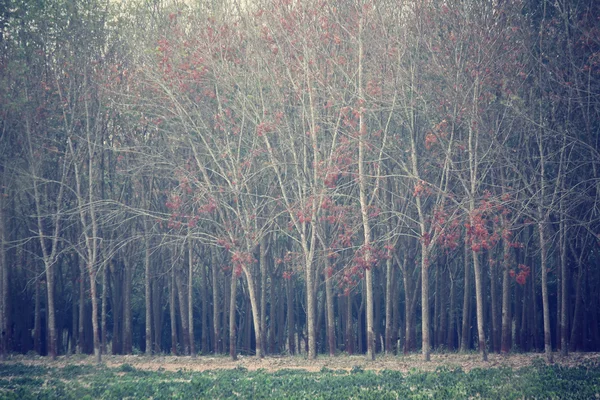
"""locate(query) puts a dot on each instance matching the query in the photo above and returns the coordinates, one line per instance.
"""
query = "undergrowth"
(19, 381)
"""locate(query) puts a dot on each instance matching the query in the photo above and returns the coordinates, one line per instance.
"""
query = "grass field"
(156, 378)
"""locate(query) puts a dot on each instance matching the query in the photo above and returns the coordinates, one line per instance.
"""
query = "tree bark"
(494, 299)
(255, 312)
(330, 316)
(388, 303)
(172, 289)
(263, 290)
(104, 311)
(349, 325)
(290, 315)
(479, 303)
(564, 294)
(545, 301)
(4, 283)
(217, 343)
(465, 339)
(190, 300)
(506, 344)
(95, 314)
(127, 318)
(183, 311)
(232, 312)
(425, 325)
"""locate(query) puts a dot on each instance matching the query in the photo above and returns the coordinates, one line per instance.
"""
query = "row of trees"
(290, 176)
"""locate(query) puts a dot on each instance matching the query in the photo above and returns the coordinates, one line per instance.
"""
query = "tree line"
(311, 177)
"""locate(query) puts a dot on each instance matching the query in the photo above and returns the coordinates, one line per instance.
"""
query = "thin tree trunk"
(127, 319)
(437, 314)
(148, 291)
(37, 324)
(576, 323)
(172, 289)
(95, 314)
(117, 306)
(280, 318)
(4, 282)
(349, 325)
(479, 302)
(157, 314)
(183, 311)
(505, 344)
(232, 311)
(494, 299)
(564, 294)
(443, 325)
(263, 290)
(255, 313)
(364, 206)
(425, 325)
(104, 311)
(451, 337)
(217, 343)
(205, 317)
(388, 304)
(330, 316)
(465, 340)
(290, 315)
(81, 338)
(190, 300)
(545, 301)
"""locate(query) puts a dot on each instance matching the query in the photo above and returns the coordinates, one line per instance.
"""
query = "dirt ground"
(273, 363)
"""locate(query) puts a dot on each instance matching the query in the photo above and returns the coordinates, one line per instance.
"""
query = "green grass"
(18, 381)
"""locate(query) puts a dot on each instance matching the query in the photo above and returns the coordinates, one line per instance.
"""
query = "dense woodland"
(314, 177)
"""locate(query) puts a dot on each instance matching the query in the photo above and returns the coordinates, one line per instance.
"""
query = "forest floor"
(403, 363)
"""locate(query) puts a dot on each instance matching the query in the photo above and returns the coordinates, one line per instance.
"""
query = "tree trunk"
(157, 314)
(494, 299)
(4, 284)
(255, 313)
(310, 309)
(576, 324)
(117, 306)
(225, 315)
(377, 312)
(172, 289)
(465, 339)
(95, 317)
(437, 314)
(263, 290)
(425, 326)
(217, 343)
(280, 318)
(104, 311)
(205, 312)
(183, 311)
(443, 325)
(37, 324)
(451, 337)
(545, 301)
(330, 316)
(147, 291)
(232, 310)
(479, 303)
(190, 301)
(290, 315)
(505, 345)
(388, 304)
(127, 319)
(349, 325)
(564, 291)
(81, 337)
